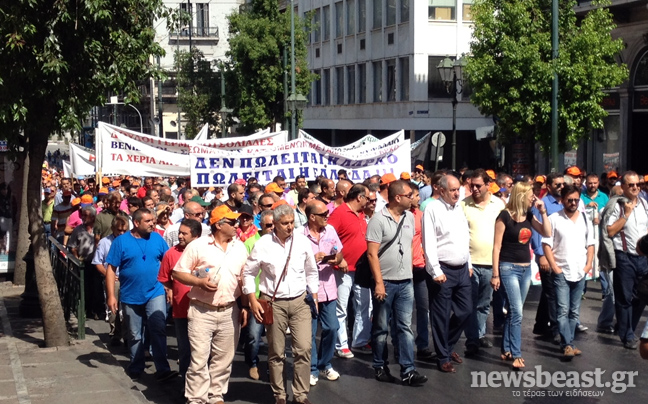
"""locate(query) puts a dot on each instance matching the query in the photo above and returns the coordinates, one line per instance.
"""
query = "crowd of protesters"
(450, 244)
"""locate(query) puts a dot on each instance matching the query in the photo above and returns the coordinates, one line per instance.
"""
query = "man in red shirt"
(349, 223)
(148, 184)
(176, 292)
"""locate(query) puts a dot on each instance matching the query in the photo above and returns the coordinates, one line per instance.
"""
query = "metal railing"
(69, 273)
(197, 33)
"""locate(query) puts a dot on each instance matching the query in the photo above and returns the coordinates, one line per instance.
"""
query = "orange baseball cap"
(493, 188)
(76, 201)
(574, 171)
(273, 187)
(116, 183)
(405, 176)
(86, 199)
(278, 203)
(612, 174)
(103, 191)
(646, 177)
(540, 178)
(387, 179)
(491, 174)
(222, 212)
(105, 180)
(420, 167)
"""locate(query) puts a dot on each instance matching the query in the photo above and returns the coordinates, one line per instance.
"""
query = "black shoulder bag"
(363, 276)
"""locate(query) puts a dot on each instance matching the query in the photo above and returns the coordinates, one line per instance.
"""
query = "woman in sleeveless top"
(512, 262)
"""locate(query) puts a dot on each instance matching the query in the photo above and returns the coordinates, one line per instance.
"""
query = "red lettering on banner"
(116, 157)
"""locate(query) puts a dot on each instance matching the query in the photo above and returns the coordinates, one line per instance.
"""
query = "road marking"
(16, 365)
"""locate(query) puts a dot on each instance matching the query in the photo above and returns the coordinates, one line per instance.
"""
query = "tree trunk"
(54, 327)
(23, 226)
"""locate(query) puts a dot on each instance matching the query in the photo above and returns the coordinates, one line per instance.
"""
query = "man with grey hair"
(192, 210)
(273, 252)
(446, 242)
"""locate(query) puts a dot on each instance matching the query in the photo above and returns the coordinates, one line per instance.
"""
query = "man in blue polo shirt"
(138, 254)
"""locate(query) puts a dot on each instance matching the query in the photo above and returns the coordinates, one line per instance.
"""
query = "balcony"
(198, 34)
(622, 10)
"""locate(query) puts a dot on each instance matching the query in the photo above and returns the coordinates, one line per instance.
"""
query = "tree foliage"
(258, 37)
(199, 91)
(511, 69)
(58, 59)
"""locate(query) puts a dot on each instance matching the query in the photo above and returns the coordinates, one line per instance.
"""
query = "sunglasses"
(268, 205)
(232, 222)
(476, 185)
(374, 200)
(573, 200)
(560, 185)
(632, 185)
(323, 214)
(408, 196)
(268, 225)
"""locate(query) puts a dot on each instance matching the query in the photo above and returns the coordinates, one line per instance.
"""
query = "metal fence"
(70, 279)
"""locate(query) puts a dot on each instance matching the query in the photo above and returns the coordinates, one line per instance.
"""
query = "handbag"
(266, 305)
(363, 276)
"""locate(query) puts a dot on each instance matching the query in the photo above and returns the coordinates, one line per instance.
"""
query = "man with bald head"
(328, 191)
(192, 210)
(446, 242)
(341, 190)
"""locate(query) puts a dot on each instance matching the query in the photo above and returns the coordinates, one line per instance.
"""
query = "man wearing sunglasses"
(569, 250)
(192, 210)
(214, 316)
(545, 321)
(626, 225)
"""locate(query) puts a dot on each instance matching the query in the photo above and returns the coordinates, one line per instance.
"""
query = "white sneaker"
(313, 380)
(330, 374)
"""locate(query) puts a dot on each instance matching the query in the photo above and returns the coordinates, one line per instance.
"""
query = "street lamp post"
(451, 72)
(114, 103)
(294, 101)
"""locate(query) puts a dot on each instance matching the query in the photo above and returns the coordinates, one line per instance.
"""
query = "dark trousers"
(454, 295)
(629, 269)
(545, 321)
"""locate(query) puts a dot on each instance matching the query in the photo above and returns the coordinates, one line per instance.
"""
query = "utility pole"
(554, 87)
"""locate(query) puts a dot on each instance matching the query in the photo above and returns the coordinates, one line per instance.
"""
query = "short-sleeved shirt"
(103, 223)
(103, 247)
(83, 241)
(171, 233)
(569, 241)
(634, 228)
(180, 298)
(328, 239)
(139, 261)
(515, 242)
(225, 267)
(62, 213)
(481, 222)
(351, 228)
(74, 220)
(48, 209)
(601, 199)
(396, 261)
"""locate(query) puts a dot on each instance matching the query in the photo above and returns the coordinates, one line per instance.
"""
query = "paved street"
(88, 372)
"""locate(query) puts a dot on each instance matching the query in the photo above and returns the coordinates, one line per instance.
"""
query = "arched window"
(641, 73)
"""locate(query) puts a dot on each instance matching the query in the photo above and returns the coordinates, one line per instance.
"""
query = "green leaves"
(511, 69)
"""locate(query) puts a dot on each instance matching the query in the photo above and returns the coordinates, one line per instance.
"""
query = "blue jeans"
(629, 269)
(184, 349)
(422, 301)
(568, 301)
(151, 317)
(482, 292)
(398, 303)
(515, 282)
(252, 338)
(321, 358)
(361, 306)
(606, 317)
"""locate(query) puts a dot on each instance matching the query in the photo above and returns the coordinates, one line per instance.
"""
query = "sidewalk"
(84, 372)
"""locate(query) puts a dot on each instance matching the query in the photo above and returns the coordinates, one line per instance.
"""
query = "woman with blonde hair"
(512, 262)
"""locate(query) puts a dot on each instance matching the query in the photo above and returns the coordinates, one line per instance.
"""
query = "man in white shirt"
(569, 251)
(270, 255)
(627, 224)
(446, 242)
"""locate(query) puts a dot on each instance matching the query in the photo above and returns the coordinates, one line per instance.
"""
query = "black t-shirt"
(515, 242)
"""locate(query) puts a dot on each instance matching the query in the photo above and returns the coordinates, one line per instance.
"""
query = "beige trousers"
(211, 333)
(295, 314)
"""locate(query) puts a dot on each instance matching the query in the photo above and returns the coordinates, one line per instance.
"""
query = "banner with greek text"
(351, 146)
(298, 157)
(122, 151)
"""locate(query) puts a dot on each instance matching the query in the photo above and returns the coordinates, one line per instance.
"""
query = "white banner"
(67, 169)
(203, 134)
(298, 157)
(82, 160)
(351, 146)
(121, 151)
